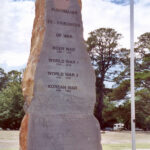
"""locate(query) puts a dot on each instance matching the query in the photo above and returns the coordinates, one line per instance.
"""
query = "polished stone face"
(64, 87)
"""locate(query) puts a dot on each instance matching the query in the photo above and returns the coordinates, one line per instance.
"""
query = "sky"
(17, 20)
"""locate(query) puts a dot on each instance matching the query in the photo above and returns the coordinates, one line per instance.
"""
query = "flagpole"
(132, 74)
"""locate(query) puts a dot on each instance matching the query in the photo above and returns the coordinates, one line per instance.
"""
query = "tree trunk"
(99, 102)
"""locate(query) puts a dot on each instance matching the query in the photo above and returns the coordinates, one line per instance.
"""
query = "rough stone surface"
(28, 78)
(23, 133)
(59, 82)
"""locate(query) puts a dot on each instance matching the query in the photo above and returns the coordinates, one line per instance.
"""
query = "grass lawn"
(125, 146)
(9, 140)
(122, 141)
(110, 140)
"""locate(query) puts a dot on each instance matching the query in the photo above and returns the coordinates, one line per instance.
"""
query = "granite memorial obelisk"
(59, 82)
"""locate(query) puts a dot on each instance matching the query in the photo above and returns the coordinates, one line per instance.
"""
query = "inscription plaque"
(61, 110)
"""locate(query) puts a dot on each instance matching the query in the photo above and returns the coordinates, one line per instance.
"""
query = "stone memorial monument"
(59, 82)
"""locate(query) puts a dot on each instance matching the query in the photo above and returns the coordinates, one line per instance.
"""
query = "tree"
(3, 79)
(109, 113)
(11, 102)
(102, 46)
(142, 78)
(142, 83)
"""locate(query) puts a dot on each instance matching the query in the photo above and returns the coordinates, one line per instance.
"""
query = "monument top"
(64, 78)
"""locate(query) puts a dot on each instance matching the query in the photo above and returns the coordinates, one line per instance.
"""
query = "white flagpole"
(132, 74)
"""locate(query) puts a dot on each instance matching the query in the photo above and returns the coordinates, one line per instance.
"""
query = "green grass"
(122, 140)
(125, 146)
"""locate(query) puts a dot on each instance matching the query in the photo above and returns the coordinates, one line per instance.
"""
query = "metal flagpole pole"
(132, 74)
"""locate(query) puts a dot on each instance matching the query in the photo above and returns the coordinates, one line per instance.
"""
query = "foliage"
(109, 115)
(102, 46)
(142, 109)
(11, 102)
(3, 78)
(142, 84)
